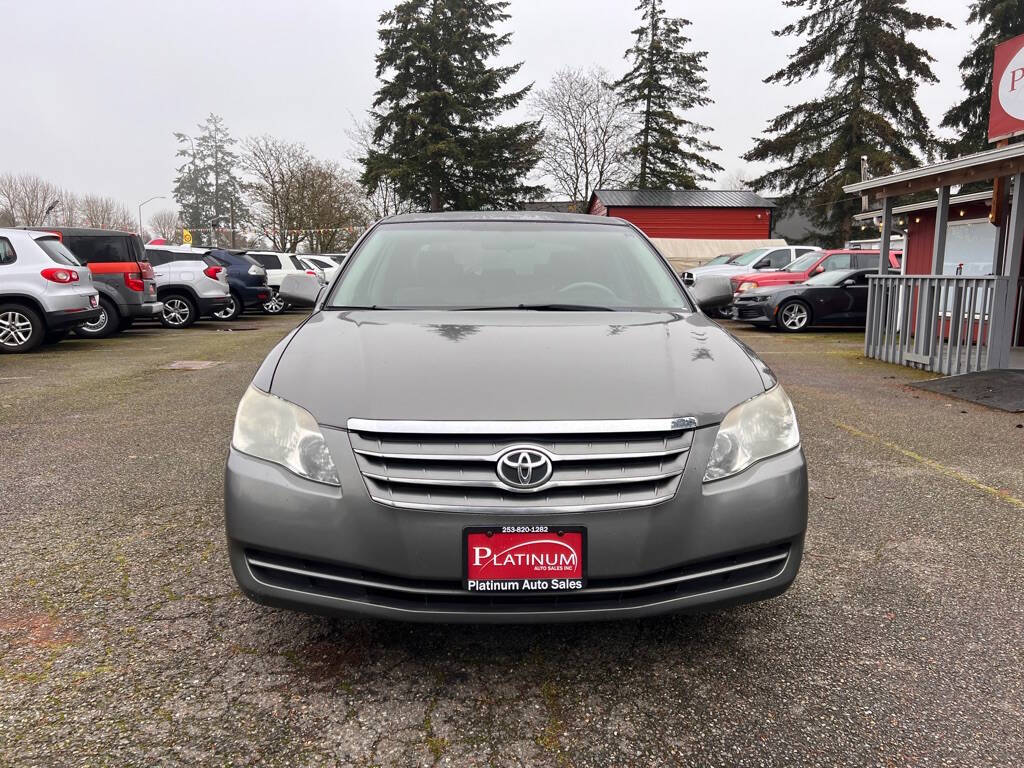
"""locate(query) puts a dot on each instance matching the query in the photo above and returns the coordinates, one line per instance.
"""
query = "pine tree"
(191, 189)
(435, 136)
(666, 80)
(207, 187)
(868, 108)
(1000, 20)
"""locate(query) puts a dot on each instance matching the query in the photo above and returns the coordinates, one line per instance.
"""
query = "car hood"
(517, 365)
(717, 269)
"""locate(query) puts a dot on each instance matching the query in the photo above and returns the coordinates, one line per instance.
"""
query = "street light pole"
(158, 197)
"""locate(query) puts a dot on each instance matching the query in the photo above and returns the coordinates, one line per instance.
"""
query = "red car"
(809, 264)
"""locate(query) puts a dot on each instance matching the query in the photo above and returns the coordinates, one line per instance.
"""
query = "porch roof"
(990, 164)
(924, 205)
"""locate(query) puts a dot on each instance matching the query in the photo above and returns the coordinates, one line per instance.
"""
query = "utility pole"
(863, 177)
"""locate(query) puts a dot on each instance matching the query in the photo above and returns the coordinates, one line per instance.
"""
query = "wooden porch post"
(1002, 324)
(883, 257)
(941, 223)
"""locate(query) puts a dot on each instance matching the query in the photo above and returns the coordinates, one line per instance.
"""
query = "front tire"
(232, 310)
(275, 304)
(179, 311)
(794, 316)
(108, 323)
(21, 329)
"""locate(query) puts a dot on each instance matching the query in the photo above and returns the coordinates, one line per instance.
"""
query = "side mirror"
(849, 282)
(711, 292)
(817, 270)
(763, 265)
(301, 290)
(688, 279)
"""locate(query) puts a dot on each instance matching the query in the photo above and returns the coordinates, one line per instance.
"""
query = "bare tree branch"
(587, 132)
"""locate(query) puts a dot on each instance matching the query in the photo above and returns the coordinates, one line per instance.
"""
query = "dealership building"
(690, 226)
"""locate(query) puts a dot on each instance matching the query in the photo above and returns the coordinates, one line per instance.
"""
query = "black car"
(247, 279)
(839, 297)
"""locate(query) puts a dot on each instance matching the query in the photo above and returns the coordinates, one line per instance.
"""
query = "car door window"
(837, 261)
(297, 264)
(802, 251)
(7, 254)
(865, 261)
(100, 249)
(156, 258)
(57, 251)
(268, 260)
(776, 259)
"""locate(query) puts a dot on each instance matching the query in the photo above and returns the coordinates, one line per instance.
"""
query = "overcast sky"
(93, 90)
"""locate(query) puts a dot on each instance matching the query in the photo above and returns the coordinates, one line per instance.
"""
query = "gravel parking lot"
(124, 641)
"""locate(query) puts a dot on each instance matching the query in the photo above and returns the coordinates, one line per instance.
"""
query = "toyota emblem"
(523, 469)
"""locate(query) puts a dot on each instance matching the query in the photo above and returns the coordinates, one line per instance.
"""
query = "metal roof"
(926, 204)
(947, 167)
(682, 198)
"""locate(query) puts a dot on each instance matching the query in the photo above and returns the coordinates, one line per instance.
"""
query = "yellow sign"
(186, 237)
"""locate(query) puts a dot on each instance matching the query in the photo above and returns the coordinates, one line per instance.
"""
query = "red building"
(688, 214)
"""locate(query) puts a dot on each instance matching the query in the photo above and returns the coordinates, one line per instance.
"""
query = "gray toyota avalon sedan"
(512, 417)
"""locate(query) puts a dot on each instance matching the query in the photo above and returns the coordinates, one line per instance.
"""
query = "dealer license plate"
(510, 559)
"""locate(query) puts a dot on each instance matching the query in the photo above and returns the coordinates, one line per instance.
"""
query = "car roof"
(22, 234)
(869, 251)
(180, 249)
(81, 231)
(507, 216)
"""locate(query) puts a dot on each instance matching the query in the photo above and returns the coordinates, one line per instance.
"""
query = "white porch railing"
(945, 324)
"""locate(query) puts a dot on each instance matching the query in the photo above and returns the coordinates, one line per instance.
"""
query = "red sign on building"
(1006, 117)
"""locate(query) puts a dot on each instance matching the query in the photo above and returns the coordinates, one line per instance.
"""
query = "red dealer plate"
(510, 559)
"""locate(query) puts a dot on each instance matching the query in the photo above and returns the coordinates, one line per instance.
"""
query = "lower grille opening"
(331, 580)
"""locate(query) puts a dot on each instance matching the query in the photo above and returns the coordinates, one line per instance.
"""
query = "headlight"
(273, 429)
(747, 287)
(761, 427)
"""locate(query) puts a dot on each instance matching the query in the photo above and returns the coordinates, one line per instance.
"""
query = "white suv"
(44, 292)
(328, 268)
(278, 266)
(190, 283)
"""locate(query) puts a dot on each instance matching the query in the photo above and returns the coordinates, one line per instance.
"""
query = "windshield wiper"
(544, 308)
(355, 307)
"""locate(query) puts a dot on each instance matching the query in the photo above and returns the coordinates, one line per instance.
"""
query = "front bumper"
(753, 311)
(302, 545)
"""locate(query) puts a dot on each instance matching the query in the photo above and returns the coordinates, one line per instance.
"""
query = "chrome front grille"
(453, 465)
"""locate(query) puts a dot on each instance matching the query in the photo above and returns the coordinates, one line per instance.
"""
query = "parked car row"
(95, 283)
(812, 287)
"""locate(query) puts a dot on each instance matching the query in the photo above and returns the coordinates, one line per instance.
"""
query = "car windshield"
(57, 251)
(804, 263)
(507, 265)
(725, 258)
(835, 277)
(748, 258)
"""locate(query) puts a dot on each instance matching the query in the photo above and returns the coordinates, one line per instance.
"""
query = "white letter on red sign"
(480, 554)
